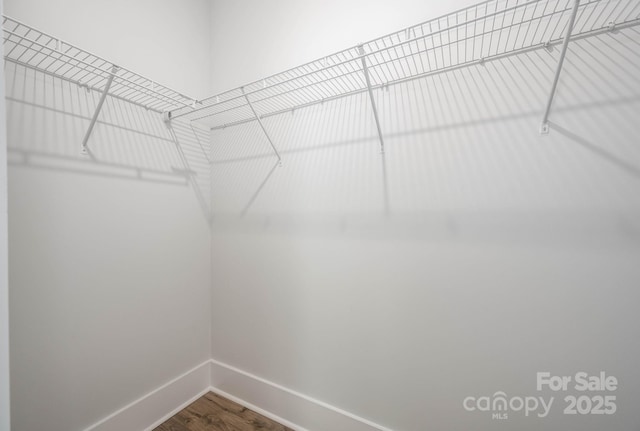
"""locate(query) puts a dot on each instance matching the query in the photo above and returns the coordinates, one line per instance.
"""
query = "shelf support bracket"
(365, 70)
(87, 135)
(544, 126)
(255, 114)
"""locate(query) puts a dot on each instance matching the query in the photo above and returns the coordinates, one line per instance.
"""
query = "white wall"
(505, 252)
(4, 259)
(254, 39)
(109, 259)
(163, 41)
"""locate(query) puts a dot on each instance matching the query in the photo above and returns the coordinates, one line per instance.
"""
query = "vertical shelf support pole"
(365, 70)
(87, 135)
(544, 127)
(255, 114)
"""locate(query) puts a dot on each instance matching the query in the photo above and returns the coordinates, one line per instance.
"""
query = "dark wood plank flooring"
(212, 412)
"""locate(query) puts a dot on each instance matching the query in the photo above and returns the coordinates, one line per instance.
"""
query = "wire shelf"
(31, 48)
(487, 31)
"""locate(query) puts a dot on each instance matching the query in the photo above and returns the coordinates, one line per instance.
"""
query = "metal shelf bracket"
(166, 118)
(255, 114)
(365, 70)
(114, 70)
(544, 126)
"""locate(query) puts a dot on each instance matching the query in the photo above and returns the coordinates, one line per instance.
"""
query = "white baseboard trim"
(257, 409)
(173, 412)
(293, 409)
(277, 402)
(159, 404)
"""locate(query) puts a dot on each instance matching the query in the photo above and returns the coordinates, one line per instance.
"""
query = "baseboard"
(257, 409)
(289, 407)
(152, 409)
(293, 409)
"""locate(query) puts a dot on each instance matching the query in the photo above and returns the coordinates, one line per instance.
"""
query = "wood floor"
(212, 412)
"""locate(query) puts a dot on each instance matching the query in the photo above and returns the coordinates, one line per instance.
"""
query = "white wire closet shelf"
(34, 49)
(484, 32)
